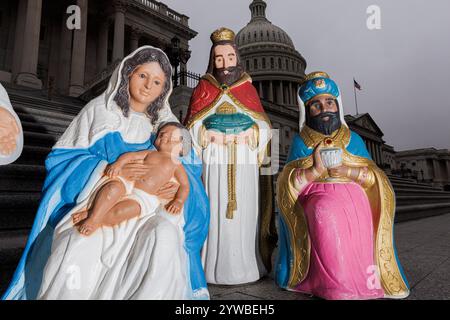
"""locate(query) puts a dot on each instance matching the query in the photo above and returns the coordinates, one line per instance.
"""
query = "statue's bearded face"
(323, 115)
(226, 69)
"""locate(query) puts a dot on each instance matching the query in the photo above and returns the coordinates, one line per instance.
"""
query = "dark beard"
(234, 74)
(325, 127)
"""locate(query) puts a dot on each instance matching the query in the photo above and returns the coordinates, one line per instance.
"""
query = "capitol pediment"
(366, 122)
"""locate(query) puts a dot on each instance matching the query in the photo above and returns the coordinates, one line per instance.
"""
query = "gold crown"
(222, 34)
(314, 75)
(226, 108)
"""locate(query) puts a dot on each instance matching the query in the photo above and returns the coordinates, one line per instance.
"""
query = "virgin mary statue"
(153, 256)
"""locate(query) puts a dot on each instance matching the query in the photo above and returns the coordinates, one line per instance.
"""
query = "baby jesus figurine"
(118, 200)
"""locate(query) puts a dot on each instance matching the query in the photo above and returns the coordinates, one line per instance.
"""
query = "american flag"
(357, 86)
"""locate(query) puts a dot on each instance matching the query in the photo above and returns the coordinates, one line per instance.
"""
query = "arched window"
(279, 63)
(247, 64)
(272, 63)
(255, 64)
(263, 63)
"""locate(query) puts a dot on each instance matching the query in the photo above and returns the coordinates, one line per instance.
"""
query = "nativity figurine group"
(136, 205)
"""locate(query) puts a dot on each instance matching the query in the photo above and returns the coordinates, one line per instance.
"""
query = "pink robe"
(340, 227)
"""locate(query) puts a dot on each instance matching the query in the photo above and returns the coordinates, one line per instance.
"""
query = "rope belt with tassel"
(232, 203)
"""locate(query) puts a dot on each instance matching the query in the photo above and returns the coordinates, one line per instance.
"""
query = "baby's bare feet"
(80, 215)
(88, 226)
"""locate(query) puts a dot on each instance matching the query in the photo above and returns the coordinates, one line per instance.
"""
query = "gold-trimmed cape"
(226, 91)
(382, 201)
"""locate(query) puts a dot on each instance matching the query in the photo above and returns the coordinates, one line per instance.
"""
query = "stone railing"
(186, 78)
(164, 10)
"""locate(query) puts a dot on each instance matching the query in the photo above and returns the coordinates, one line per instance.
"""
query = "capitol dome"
(270, 57)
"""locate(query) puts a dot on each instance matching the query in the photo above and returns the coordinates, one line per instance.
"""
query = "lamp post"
(178, 55)
(174, 57)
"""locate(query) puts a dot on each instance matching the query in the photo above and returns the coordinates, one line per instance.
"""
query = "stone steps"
(39, 139)
(18, 209)
(51, 128)
(414, 186)
(12, 244)
(33, 155)
(418, 192)
(405, 200)
(26, 178)
(43, 122)
(415, 211)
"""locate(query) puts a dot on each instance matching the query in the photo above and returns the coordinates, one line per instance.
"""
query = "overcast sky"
(403, 68)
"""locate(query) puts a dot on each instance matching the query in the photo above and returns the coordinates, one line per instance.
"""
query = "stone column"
(447, 162)
(380, 160)
(119, 30)
(134, 39)
(271, 91)
(53, 67)
(29, 46)
(65, 55)
(375, 153)
(79, 53)
(280, 93)
(370, 144)
(291, 96)
(437, 176)
(261, 94)
(102, 44)
(18, 43)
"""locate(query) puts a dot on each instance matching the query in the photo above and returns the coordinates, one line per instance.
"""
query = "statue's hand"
(244, 137)
(133, 171)
(339, 172)
(318, 164)
(168, 191)
(8, 132)
(114, 169)
(215, 137)
(174, 207)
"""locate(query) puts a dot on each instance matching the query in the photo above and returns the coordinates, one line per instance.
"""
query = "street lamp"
(178, 55)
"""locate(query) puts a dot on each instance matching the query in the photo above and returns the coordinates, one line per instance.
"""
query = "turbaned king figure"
(337, 207)
(231, 133)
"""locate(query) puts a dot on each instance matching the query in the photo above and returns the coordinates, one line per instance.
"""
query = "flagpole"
(356, 101)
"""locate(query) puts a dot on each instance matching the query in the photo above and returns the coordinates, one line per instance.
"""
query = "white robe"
(142, 258)
(231, 255)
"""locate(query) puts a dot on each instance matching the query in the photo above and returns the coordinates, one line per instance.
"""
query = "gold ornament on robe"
(381, 196)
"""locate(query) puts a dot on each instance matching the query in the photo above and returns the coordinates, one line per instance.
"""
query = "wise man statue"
(11, 134)
(336, 207)
(231, 134)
